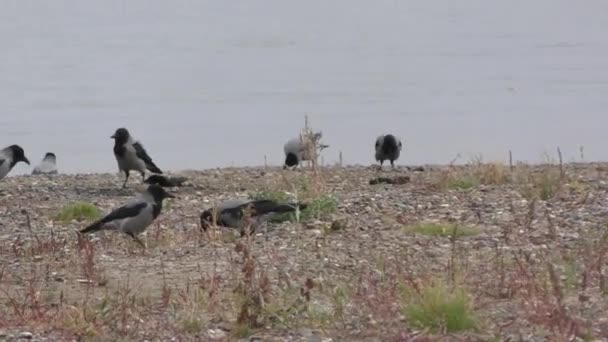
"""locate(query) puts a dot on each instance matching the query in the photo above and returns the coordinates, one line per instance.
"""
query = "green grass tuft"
(242, 331)
(319, 208)
(439, 309)
(462, 183)
(79, 211)
(441, 229)
(192, 326)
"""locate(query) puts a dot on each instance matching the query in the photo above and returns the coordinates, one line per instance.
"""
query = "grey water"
(224, 83)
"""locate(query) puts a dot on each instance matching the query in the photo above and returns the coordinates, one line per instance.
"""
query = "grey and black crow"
(388, 147)
(166, 181)
(293, 152)
(296, 150)
(9, 156)
(231, 213)
(48, 165)
(135, 216)
(131, 155)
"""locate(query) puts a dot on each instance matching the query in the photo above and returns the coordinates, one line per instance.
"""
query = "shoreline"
(399, 167)
(350, 257)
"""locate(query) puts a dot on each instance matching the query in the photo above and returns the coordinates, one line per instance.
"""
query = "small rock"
(216, 334)
(57, 277)
(338, 225)
(26, 335)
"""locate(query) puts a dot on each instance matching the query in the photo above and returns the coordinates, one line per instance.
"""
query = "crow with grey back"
(135, 216)
(9, 157)
(48, 165)
(131, 155)
(388, 147)
(232, 213)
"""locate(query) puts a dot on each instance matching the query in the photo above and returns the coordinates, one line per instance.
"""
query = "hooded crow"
(166, 181)
(293, 152)
(48, 166)
(230, 213)
(135, 216)
(9, 156)
(296, 150)
(388, 147)
(131, 155)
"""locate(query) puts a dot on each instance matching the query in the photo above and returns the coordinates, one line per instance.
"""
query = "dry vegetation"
(481, 252)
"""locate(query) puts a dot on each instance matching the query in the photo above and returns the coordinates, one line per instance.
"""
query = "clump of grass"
(464, 182)
(475, 173)
(490, 173)
(79, 211)
(320, 208)
(192, 326)
(441, 229)
(543, 185)
(242, 331)
(439, 308)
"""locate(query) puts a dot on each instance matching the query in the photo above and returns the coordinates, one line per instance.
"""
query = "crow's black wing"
(126, 211)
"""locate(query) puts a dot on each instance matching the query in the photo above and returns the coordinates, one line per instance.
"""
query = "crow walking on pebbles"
(135, 216)
(48, 165)
(232, 213)
(9, 156)
(388, 147)
(131, 155)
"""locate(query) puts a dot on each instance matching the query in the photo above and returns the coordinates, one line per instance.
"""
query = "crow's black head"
(121, 135)
(18, 154)
(291, 160)
(158, 193)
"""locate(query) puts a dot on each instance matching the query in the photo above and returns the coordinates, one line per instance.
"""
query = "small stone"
(38, 258)
(216, 334)
(26, 335)
(57, 277)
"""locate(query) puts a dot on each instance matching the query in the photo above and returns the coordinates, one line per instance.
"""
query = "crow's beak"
(113, 136)
(25, 160)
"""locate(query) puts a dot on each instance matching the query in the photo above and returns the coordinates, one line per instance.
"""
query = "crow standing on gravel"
(230, 213)
(48, 166)
(135, 216)
(131, 155)
(388, 147)
(9, 156)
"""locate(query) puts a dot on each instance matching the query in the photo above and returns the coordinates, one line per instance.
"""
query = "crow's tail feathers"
(153, 168)
(263, 207)
(94, 227)
(289, 207)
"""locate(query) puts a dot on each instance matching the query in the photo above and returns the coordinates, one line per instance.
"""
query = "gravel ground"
(534, 270)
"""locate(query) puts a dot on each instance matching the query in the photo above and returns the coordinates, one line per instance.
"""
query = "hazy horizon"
(206, 84)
